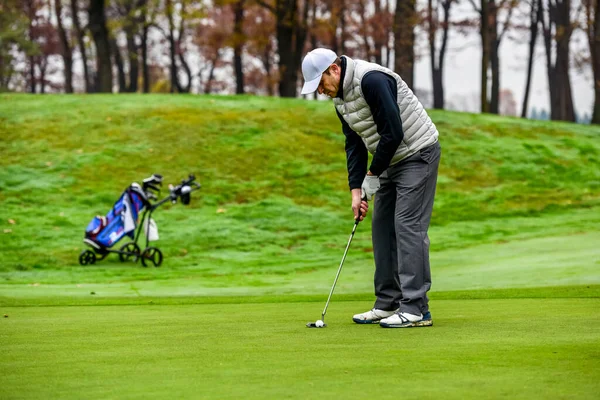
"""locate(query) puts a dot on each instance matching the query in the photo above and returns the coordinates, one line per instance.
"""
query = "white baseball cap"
(314, 64)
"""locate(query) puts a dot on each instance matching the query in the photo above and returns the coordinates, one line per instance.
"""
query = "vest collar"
(346, 77)
(344, 68)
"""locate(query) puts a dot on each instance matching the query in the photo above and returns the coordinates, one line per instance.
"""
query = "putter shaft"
(340, 268)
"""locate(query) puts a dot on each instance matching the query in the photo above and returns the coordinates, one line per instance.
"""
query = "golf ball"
(319, 324)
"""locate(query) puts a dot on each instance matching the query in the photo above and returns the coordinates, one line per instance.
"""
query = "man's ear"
(335, 69)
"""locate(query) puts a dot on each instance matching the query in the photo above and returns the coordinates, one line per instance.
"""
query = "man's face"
(330, 81)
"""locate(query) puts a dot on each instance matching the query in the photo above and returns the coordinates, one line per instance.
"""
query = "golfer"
(381, 115)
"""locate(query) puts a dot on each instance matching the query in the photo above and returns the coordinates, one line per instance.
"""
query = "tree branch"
(267, 6)
(475, 6)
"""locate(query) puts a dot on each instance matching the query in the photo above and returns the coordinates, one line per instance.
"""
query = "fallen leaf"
(11, 221)
(49, 164)
(221, 210)
(8, 231)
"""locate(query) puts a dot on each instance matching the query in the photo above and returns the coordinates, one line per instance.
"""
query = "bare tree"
(211, 39)
(437, 58)
(175, 86)
(291, 31)
(66, 51)
(14, 27)
(79, 33)
(535, 16)
(405, 20)
(97, 25)
(592, 28)
(238, 45)
(259, 27)
(557, 29)
(118, 60)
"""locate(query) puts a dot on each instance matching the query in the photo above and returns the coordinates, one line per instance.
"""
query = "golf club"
(320, 323)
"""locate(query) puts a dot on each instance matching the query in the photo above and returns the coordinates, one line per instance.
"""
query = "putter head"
(314, 325)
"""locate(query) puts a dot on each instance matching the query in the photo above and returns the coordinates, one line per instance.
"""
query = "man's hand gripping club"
(360, 206)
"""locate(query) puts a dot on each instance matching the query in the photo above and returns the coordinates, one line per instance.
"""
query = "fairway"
(507, 348)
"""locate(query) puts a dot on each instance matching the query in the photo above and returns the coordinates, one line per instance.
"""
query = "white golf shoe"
(372, 316)
(403, 320)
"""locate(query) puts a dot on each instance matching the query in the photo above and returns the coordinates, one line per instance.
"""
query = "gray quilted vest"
(419, 130)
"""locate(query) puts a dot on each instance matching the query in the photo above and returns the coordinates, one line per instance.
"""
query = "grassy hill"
(273, 215)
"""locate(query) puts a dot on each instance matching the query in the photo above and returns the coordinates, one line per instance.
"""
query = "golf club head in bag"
(184, 190)
(152, 183)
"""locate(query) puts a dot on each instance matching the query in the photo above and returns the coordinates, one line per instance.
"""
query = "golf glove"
(369, 186)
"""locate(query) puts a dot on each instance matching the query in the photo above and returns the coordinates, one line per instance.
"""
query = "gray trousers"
(401, 215)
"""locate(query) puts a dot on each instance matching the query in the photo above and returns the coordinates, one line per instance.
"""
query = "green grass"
(518, 348)
(514, 253)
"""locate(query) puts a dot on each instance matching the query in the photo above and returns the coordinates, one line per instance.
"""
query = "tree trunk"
(119, 63)
(211, 75)
(287, 40)
(67, 54)
(364, 29)
(32, 62)
(172, 51)
(405, 19)
(485, 55)
(266, 59)
(559, 82)
(144, 46)
(437, 60)
(342, 47)
(550, 71)
(494, 42)
(32, 83)
(43, 65)
(81, 44)
(238, 37)
(377, 36)
(97, 25)
(535, 16)
(595, 50)
(313, 37)
(132, 53)
(180, 52)
(291, 33)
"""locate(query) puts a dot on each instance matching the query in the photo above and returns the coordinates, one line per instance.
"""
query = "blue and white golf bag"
(131, 214)
(103, 232)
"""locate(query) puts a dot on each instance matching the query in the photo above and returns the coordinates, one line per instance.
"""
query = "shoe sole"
(365, 321)
(418, 324)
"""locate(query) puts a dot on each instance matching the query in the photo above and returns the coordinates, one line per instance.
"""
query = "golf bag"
(124, 219)
(102, 232)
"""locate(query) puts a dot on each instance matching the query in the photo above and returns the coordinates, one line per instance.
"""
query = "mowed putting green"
(494, 348)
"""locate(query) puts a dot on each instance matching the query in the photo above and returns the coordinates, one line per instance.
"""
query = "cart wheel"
(152, 255)
(129, 250)
(87, 257)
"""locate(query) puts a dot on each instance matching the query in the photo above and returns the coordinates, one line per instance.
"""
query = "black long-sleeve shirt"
(380, 92)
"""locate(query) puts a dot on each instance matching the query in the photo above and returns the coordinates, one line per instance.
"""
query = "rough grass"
(273, 174)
